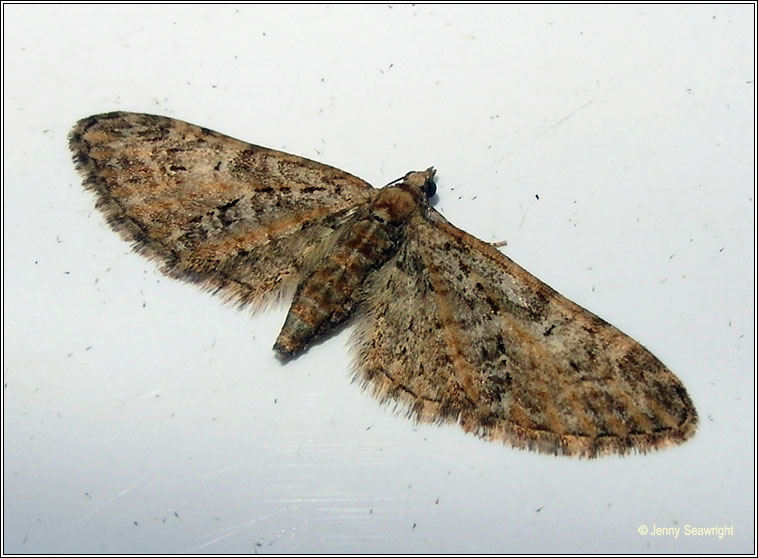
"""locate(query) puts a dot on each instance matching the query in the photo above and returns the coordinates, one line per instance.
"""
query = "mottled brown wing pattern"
(454, 331)
(447, 327)
(234, 217)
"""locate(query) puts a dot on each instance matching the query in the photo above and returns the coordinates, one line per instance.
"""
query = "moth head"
(423, 180)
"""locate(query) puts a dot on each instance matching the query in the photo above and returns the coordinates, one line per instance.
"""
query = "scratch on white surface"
(226, 532)
(229, 532)
(331, 500)
(544, 132)
(110, 500)
(228, 468)
(154, 392)
(26, 535)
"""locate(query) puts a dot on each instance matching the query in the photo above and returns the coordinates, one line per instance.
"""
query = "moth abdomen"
(331, 291)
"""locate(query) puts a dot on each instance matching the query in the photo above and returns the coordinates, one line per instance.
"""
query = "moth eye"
(430, 187)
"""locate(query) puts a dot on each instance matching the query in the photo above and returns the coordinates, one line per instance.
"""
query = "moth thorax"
(397, 204)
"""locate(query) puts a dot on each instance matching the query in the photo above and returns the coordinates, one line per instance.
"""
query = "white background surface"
(142, 415)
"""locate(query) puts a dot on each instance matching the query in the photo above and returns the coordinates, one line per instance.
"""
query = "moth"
(446, 326)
